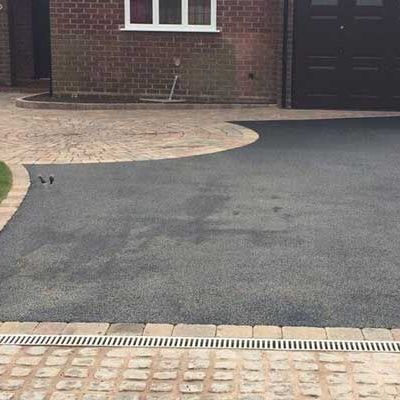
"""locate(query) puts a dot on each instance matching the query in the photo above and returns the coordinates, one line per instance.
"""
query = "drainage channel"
(201, 343)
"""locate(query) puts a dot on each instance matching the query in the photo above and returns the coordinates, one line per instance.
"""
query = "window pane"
(199, 12)
(170, 12)
(141, 11)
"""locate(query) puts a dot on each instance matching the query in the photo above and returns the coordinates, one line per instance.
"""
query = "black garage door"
(347, 54)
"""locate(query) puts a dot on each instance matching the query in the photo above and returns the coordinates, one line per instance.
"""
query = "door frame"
(37, 60)
(11, 33)
(11, 40)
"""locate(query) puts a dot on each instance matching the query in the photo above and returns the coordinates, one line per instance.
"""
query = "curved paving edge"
(16, 195)
(231, 137)
(191, 330)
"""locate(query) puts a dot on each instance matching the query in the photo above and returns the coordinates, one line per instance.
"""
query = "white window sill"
(168, 28)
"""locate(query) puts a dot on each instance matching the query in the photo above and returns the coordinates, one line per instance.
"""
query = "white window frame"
(183, 27)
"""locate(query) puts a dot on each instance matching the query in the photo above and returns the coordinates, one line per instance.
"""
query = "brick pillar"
(5, 54)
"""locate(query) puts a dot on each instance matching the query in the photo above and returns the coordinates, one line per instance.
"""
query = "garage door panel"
(366, 77)
(395, 92)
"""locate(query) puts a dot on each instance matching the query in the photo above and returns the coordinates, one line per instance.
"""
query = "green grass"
(5, 180)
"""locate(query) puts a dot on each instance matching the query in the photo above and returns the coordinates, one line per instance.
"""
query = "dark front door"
(347, 54)
(41, 38)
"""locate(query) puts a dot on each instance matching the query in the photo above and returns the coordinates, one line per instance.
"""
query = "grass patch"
(5, 180)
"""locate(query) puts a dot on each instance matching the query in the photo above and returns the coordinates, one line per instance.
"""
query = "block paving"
(58, 373)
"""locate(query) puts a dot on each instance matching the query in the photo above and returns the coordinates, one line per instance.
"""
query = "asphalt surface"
(299, 228)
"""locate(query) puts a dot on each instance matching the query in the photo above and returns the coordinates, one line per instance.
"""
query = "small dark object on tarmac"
(42, 180)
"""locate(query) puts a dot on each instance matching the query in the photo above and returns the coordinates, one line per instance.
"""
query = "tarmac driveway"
(299, 228)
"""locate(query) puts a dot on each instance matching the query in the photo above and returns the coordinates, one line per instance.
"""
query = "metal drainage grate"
(200, 343)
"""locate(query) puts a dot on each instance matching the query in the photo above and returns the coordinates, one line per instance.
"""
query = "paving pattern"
(59, 136)
(55, 373)
(47, 137)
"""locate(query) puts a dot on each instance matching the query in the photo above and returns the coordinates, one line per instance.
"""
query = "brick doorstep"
(196, 330)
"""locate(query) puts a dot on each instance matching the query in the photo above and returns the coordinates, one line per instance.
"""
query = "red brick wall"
(91, 55)
(5, 61)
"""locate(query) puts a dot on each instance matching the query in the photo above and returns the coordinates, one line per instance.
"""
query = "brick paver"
(267, 331)
(303, 332)
(127, 373)
(125, 329)
(193, 330)
(158, 330)
(344, 333)
(377, 334)
(235, 331)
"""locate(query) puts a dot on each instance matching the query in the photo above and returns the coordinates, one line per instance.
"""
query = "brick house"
(302, 53)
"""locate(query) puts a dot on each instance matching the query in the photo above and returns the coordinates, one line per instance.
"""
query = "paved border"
(17, 193)
(28, 102)
(192, 330)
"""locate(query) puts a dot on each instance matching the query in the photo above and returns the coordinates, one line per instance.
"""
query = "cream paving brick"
(35, 350)
(50, 328)
(6, 395)
(140, 363)
(18, 327)
(54, 361)
(344, 334)
(125, 329)
(235, 331)
(396, 334)
(47, 372)
(194, 330)
(267, 331)
(20, 371)
(28, 360)
(33, 395)
(85, 328)
(377, 334)
(302, 332)
(158, 330)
